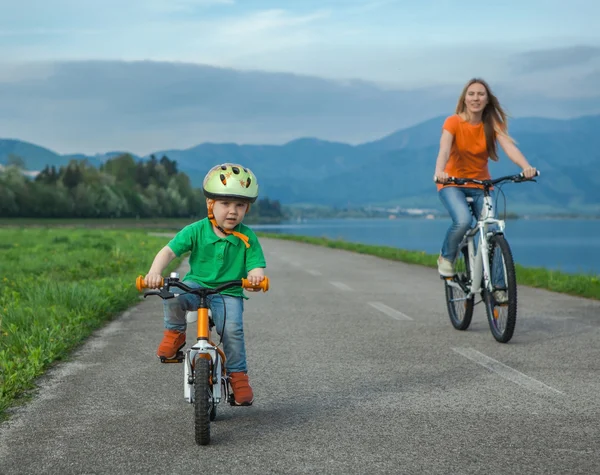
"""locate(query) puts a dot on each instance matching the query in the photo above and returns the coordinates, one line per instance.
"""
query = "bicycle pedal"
(178, 358)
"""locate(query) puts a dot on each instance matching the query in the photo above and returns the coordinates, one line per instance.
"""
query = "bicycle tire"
(460, 314)
(202, 400)
(502, 328)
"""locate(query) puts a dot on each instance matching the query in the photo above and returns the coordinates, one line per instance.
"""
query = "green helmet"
(230, 180)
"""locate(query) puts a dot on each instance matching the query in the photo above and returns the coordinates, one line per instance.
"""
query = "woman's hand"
(529, 172)
(440, 177)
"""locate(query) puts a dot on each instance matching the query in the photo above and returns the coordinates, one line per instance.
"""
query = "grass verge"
(56, 287)
(580, 285)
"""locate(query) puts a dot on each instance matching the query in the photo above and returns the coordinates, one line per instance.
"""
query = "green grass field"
(56, 287)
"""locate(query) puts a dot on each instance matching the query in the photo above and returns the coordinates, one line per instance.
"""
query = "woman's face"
(476, 98)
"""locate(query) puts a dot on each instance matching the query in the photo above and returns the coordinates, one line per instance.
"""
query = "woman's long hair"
(494, 118)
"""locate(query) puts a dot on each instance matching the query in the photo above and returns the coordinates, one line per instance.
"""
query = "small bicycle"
(487, 269)
(205, 380)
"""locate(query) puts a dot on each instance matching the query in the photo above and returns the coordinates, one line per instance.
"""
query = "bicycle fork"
(480, 260)
(477, 270)
(478, 263)
(204, 348)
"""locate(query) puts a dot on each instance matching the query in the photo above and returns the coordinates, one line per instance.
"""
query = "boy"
(222, 249)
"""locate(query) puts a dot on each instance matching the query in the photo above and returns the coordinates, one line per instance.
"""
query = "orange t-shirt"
(468, 155)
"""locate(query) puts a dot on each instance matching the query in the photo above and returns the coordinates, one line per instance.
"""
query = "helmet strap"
(211, 216)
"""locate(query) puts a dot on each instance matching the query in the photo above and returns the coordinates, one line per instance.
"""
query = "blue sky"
(548, 48)
(379, 40)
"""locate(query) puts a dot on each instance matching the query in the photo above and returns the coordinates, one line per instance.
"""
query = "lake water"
(569, 245)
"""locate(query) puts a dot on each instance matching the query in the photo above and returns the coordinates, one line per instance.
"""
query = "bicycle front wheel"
(501, 301)
(203, 404)
(460, 308)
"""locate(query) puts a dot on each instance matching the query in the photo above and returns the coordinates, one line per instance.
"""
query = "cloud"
(33, 32)
(268, 20)
(544, 60)
(143, 106)
(40, 17)
(371, 5)
(174, 6)
(218, 32)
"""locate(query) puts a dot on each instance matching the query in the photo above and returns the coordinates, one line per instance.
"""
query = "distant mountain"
(287, 167)
(35, 157)
(397, 169)
(421, 135)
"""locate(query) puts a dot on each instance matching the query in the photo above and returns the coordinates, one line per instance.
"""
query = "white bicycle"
(485, 269)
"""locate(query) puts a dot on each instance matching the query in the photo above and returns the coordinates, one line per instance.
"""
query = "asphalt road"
(355, 368)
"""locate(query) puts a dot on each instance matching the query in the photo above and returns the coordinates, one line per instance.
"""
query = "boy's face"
(229, 213)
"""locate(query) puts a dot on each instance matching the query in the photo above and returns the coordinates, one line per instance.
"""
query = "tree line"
(119, 188)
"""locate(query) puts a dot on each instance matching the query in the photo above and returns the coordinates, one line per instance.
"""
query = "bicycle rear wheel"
(460, 308)
(501, 302)
(203, 404)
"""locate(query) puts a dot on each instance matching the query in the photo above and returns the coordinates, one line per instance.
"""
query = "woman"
(468, 140)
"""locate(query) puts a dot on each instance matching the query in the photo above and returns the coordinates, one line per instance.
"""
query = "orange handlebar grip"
(264, 285)
(140, 284)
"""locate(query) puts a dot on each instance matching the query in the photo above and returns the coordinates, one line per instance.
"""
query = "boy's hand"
(255, 277)
(153, 280)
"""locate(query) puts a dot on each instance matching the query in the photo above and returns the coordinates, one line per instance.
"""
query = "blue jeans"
(454, 199)
(233, 337)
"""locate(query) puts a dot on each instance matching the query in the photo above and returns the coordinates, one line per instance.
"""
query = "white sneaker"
(500, 296)
(445, 267)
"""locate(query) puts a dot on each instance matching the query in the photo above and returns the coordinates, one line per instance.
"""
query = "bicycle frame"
(204, 346)
(479, 259)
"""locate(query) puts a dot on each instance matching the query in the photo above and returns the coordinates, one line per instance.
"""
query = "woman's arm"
(443, 155)
(515, 155)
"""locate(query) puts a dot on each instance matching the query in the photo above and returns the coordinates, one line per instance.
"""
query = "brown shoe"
(171, 343)
(242, 392)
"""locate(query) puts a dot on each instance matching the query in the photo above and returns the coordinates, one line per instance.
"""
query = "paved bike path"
(355, 368)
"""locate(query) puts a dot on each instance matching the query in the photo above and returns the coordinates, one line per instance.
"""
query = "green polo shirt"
(214, 260)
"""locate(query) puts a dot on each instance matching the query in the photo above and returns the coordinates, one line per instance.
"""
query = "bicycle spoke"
(460, 307)
(501, 300)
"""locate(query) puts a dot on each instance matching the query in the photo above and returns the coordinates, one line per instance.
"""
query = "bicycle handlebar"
(488, 183)
(140, 284)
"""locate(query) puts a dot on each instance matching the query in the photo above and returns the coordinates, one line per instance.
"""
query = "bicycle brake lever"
(162, 293)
